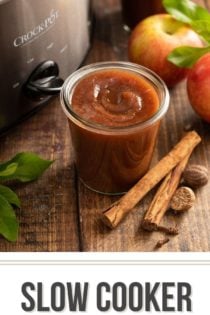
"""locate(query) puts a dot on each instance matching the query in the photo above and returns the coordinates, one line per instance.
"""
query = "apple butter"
(134, 11)
(114, 111)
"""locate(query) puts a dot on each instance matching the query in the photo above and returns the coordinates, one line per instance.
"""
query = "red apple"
(154, 38)
(198, 87)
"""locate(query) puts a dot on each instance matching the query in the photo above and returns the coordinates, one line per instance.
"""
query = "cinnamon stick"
(161, 201)
(117, 211)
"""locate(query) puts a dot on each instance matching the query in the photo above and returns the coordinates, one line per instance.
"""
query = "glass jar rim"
(152, 77)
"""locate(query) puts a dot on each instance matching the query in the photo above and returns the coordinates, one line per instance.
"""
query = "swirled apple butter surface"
(115, 98)
(112, 148)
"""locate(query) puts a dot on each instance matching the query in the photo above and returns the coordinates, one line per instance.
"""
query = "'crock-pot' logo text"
(38, 30)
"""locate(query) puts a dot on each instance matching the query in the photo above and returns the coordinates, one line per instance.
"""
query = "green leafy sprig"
(198, 18)
(24, 167)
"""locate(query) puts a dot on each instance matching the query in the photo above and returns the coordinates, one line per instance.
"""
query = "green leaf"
(186, 11)
(24, 167)
(202, 27)
(29, 167)
(9, 195)
(8, 222)
(186, 56)
(8, 170)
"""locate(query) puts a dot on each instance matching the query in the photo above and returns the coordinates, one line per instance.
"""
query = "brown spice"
(195, 176)
(117, 211)
(160, 243)
(183, 199)
(161, 201)
(168, 230)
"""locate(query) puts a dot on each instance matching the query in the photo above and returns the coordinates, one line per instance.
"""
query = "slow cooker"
(42, 42)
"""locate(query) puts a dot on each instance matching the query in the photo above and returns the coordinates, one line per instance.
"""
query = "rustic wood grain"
(48, 216)
(128, 236)
(58, 213)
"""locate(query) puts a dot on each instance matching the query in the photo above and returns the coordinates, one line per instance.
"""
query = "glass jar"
(111, 159)
(134, 11)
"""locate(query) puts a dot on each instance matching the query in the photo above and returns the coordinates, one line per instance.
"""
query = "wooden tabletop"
(58, 213)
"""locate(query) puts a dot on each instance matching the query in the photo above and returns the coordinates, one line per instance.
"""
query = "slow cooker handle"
(44, 80)
(52, 87)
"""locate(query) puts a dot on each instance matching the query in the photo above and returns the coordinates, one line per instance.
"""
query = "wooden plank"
(48, 215)
(128, 236)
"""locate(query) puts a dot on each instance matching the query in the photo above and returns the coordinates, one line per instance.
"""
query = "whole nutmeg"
(183, 199)
(195, 176)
